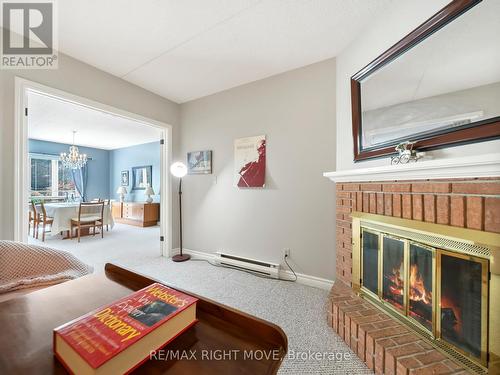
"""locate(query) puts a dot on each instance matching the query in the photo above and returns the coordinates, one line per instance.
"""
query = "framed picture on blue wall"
(125, 180)
(142, 177)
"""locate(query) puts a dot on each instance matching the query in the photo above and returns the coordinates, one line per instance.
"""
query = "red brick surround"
(387, 346)
(471, 204)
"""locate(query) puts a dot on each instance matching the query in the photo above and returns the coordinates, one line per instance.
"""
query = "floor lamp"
(179, 170)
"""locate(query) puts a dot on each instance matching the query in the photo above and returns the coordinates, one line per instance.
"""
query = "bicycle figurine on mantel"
(406, 153)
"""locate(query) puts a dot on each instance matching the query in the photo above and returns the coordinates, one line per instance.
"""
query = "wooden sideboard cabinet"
(136, 213)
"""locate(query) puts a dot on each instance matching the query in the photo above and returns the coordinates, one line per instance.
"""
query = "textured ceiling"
(187, 49)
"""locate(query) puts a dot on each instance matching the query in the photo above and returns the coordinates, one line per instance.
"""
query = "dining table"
(63, 212)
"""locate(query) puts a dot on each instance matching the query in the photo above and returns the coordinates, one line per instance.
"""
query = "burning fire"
(420, 298)
(417, 288)
(396, 286)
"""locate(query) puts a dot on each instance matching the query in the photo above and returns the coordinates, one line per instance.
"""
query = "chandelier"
(73, 159)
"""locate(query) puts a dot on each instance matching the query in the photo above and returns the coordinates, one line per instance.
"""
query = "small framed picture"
(199, 162)
(125, 177)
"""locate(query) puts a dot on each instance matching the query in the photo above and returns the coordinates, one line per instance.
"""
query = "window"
(49, 178)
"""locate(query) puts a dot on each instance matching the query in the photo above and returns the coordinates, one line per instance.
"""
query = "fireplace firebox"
(434, 278)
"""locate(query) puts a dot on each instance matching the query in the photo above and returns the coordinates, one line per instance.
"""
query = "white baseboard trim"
(194, 254)
(309, 280)
(313, 281)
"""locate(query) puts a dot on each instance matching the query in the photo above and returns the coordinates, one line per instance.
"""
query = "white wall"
(296, 111)
(399, 20)
(80, 79)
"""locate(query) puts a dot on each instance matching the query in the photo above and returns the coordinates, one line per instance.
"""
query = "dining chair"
(107, 202)
(44, 220)
(33, 219)
(90, 215)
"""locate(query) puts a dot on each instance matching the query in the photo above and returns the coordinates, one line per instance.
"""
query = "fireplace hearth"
(433, 278)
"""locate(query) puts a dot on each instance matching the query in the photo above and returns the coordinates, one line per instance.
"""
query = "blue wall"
(124, 159)
(98, 167)
(104, 170)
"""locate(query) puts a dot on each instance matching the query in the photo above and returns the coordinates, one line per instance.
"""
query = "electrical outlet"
(286, 252)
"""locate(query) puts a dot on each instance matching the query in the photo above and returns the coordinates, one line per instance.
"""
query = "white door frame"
(21, 170)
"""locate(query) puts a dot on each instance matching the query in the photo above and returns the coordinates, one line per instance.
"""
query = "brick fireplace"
(386, 344)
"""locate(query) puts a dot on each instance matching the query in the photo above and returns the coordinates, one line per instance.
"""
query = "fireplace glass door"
(370, 261)
(462, 301)
(421, 288)
(393, 274)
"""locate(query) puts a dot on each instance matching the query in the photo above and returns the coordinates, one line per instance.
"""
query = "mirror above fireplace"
(438, 86)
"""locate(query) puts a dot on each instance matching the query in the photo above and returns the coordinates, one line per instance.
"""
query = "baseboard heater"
(246, 264)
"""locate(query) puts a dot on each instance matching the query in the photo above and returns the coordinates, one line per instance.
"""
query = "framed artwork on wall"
(250, 162)
(199, 162)
(125, 178)
(142, 177)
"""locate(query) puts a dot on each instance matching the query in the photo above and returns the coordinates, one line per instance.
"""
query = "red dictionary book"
(118, 337)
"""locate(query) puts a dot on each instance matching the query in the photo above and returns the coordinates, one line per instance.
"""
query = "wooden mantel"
(486, 165)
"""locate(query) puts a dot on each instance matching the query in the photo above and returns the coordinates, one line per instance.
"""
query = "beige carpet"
(123, 242)
(299, 310)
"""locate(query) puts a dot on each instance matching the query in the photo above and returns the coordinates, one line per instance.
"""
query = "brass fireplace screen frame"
(441, 240)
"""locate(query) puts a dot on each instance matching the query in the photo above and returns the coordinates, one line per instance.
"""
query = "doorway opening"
(71, 151)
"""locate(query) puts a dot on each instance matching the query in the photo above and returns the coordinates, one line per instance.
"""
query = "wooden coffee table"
(27, 323)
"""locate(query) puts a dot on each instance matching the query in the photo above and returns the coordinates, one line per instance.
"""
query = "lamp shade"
(121, 190)
(149, 191)
(178, 169)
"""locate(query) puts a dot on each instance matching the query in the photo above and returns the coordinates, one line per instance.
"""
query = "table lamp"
(149, 192)
(122, 190)
(179, 170)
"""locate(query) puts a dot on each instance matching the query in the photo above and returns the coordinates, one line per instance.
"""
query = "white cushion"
(85, 219)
